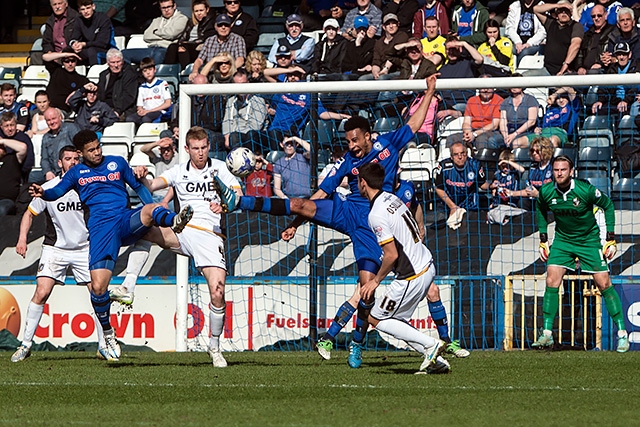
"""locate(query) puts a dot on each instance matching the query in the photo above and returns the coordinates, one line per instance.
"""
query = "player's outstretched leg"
(124, 294)
(325, 344)
(181, 220)
(163, 217)
(228, 197)
(439, 316)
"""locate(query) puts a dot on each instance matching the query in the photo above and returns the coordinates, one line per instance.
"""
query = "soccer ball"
(241, 161)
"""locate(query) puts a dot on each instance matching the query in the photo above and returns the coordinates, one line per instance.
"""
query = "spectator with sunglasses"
(242, 23)
(64, 78)
(564, 36)
(594, 43)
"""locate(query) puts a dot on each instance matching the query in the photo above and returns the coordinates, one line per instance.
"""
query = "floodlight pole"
(313, 236)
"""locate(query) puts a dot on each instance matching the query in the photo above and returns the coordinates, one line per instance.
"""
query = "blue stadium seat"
(521, 156)
(594, 158)
(596, 123)
(11, 75)
(601, 183)
(184, 74)
(386, 124)
(627, 127)
(625, 194)
(570, 152)
(171, 74)
(324, 129)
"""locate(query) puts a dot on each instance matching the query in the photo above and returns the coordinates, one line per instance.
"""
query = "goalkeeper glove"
(543, 248)
(610, 249)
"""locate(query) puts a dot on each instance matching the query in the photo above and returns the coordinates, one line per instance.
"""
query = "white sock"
(34, 314)
(622, 333)
(407, 333)
(216, 324)
(137, 259)
(99, 331)
(547, 332)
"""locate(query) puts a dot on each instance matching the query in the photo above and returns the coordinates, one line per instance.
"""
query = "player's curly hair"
(83, 138)
(357, 122)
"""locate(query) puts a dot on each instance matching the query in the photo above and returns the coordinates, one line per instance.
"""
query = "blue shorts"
(108, 235)
(351, 218)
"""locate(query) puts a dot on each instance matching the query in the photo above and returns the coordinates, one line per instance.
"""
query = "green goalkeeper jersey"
(573, 211)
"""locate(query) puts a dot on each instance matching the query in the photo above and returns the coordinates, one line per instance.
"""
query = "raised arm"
(417, 119)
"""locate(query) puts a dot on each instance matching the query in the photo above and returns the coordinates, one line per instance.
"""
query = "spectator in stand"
(481, 125)
(564, 36)
(13, 154)
(163, 31)
(60, 134)
(615, 101)
(524, 29)
(367, 10)
(315, 12)
(38, 123)
(256, 64)
(163, 162)
(611, 8)
(9, 130)
(416, 65)
(118, 85)
(386, 58)
(292, 172)
(329, 53)
(561, 118)
(464, 61)
(244, 114)
(220, 69)
(540, 172)
(64, 79)
(518, 116)
(405, 11)
(358, 55)
(207, 111)
(505, 180)
(154, 97)
(91, 34)
(223, 41)
(200, 27)
(594, 42)
(300, 46)
(497, 51)
(242, 23)
(58, 28)
(433, 41)
(90, 113)
(115, 10)
(9, 104)
(258, 182)
(436, 9)
(626, 32)
(468, 22)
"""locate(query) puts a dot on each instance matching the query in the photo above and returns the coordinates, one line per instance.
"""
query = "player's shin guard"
(102, 307)
(163, 217)
(362, 321)
(549, 307)
(344, 314)
(216, 324)
(439, 316)
(614, 307)
(273, 206)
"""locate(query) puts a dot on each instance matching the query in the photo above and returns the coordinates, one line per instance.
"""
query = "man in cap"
(626, 32)
(616, 100)
(366, 10)
(564, 36)
(359, 51)
(223, 41)
(404, 10)
(301, 46)
(329, 52)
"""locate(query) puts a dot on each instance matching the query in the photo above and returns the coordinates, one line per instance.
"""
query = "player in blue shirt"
(100, 182)
(347, 214)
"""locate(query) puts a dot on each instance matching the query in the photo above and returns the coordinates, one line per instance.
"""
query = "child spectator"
(38, 123)
(561, 117)
(154, 97)
(505, 180)
(258, 183)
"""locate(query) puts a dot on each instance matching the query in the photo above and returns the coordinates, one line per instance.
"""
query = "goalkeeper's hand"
(609, 249)
(544, 251)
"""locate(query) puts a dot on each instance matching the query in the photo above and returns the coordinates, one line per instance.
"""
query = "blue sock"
(362, 322)
(102, 307)
(439, 316)
(273, 206)
(344, 314)
(163, 217)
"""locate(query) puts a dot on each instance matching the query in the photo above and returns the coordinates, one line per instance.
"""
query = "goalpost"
(185, 117)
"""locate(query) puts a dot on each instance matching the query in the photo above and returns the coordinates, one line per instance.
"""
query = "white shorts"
(401, 297)
(55, 261)
(205, 247)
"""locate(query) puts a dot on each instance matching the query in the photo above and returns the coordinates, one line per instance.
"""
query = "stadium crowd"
(334, 41)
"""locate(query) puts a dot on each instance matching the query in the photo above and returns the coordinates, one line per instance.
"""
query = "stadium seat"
(11, 75)
(266, 40)
(184, 74)
(137, 42)
(324, 129)
(148, 132)
(602, 183)
(141, 159)
(521, 156)
(171, 74)
(386, 124)
(81, 69)
(530, 62)
(596, 141)
(596, 122)
(340, 133)
(569, 152)
(591, 97)
(594, 158)
(625, 193)
(35, 53)
(120, 41)
(36, 75)
(273, 156)
(417, 164)
(119, 132)
(627, 127)
(94, 72)
(116, 149)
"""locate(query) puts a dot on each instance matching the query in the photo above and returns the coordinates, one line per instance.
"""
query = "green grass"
(278, 388)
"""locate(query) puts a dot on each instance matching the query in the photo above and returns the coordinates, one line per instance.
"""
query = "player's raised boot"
(543, 341)
(439, 366)
(23, 352)
(228, 197)
(454, 348)
(217, 358)
(324, 348)
(121, 295)
(431, 353)
(355, 355)
(623, 344)
(111, 351)
(181, 220)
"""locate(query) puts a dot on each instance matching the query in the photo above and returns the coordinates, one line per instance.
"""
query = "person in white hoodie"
(524, 28)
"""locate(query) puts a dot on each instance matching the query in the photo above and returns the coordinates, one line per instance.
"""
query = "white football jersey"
(195, 187)
(66, 226)
(391, 221)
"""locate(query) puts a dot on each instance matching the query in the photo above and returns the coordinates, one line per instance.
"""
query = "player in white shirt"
(202, 238)
(403, 253)
(66, 244)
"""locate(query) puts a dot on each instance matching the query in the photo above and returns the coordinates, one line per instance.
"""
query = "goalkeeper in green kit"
(577, 236)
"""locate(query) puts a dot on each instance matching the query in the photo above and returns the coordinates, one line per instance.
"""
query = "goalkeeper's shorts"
(564, 254)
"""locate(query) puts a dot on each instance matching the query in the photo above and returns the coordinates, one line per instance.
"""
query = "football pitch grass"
(489, 388)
